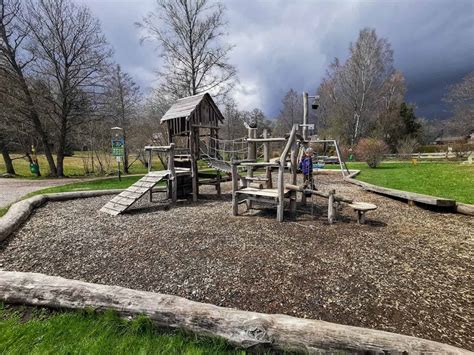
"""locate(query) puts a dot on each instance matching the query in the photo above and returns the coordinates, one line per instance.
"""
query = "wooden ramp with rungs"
(128, 197)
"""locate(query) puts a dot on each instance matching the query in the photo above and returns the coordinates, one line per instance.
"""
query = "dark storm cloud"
(283, 44)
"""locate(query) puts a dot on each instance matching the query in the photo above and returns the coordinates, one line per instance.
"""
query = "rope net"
(220, 152)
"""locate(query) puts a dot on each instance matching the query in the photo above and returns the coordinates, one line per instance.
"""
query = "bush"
(407, 145)
(371, 151)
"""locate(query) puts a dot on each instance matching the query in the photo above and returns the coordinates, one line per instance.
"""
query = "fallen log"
(240, 328)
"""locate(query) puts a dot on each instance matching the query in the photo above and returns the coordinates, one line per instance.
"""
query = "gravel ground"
(408, 270)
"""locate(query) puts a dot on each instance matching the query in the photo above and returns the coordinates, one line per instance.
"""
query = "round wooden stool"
(361, 208)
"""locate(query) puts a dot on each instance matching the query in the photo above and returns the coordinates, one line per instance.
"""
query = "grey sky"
(289, 43)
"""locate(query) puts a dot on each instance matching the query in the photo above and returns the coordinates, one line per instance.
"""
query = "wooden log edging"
(465, 208)
(19, 212)
(459, 207)
(240, 328)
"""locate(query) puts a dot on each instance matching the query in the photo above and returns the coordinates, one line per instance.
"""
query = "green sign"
(117, 146)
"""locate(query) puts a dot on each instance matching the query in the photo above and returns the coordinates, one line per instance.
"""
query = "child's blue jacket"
(306, 165)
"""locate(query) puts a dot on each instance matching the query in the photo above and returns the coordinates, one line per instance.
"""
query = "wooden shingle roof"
(186, 106)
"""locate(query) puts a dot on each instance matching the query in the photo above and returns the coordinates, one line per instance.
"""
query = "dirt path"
(408, 270)
(12, 190)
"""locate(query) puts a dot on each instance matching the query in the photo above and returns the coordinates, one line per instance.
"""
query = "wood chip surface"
(408, 270)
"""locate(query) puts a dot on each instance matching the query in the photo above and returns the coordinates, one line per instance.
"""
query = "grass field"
(449, 180)
(73, 166)
(37, 331)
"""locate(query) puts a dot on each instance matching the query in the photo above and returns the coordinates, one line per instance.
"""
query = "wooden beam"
(317, 193)
(241, 328)
(266, 140)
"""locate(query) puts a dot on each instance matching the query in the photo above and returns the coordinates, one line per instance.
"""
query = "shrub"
(371, 151)
(407, 145)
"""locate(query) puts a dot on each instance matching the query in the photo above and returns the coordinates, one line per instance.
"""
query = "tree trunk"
(35, 119)
(61, 148)
(7, 160)
(241, 328)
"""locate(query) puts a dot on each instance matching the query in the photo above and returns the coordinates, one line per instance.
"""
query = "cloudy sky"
(282, 44)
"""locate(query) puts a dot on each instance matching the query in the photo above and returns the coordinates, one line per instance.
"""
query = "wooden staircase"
(127, 198)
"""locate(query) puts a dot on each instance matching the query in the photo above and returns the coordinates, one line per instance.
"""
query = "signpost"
(118, 147)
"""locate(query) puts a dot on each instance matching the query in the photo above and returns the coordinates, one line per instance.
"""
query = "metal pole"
(305, 115)
(118, 164)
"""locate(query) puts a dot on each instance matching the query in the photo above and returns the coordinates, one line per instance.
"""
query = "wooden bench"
(361, 208)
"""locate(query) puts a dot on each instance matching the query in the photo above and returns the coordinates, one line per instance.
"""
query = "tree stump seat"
(361, 208)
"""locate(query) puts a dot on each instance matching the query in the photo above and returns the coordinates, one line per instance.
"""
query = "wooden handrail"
(289, 143)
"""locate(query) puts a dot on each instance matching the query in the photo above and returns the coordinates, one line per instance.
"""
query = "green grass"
(73, 166)
(96, 184)
(449, 180)
(3, 211)
(37, 331)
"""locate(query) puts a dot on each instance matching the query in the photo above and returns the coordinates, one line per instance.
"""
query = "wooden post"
(252, 146)
(235, 187)
(218, 177)
(281, 192)
(331, 209)
(150, 194)
(194, 169)
(294, 163)
(173, 178)
(252, 155)
(266, 158)
(305, 116)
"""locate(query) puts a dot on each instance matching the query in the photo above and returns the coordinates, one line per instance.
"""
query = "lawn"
(38, 331)
(95, 184)
(73, 166)
(449, 180)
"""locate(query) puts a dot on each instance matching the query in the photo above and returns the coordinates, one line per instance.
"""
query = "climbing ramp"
(128, 197)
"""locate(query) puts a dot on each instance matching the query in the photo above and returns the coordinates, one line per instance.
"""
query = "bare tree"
(291, 112)
(361, 88)
(71, 54)
(233, 126)
(461, 96)
(123, 99)
(189, 33)
(14, 65)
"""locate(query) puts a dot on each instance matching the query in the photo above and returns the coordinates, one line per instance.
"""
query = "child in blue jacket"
(306, 167)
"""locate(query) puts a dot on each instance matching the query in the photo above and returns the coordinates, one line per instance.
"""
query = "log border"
(240, 328)
(462, 208)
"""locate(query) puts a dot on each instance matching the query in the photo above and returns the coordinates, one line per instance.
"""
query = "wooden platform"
(269, 193)
(128, 197)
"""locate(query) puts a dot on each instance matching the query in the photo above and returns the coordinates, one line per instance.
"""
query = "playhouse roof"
(186, 106)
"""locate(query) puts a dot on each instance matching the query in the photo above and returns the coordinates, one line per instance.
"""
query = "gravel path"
(12, 189)
(408, 270)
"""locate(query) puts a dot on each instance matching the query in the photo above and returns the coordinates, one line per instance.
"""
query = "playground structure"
(192, 126)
